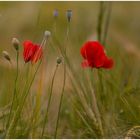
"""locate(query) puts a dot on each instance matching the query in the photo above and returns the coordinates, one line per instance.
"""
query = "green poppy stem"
(64, 82)
(15, 89)
(18, 111)
(60, 104)
(49, 101)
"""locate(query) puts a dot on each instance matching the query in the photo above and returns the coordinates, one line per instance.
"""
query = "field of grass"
(51, 100)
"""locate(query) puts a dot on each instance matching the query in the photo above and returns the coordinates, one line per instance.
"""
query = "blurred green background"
(29, 20)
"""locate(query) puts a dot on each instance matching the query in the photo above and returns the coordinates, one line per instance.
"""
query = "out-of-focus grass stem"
(49, 101)
(15, 88)
(95, 105)
(16, 116)
(61, 99)
(100, 21)
(64, 81)
(102, 35)
(100, 39)
(108, 15)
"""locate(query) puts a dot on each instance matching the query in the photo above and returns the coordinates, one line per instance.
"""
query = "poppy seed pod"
(59, 60)
(47, 34)
(15, 43)
(6, 55)
(69, 15)
(55, 13)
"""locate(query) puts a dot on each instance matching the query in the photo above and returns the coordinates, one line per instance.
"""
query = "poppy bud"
(15, 43)
(59, 60)
(6, 55)
(69, 15)
(47, 34)
(55, 13)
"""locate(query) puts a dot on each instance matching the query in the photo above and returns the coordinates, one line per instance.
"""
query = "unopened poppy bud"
(69, 15)
(55, 13)
(6, 55)
(47, 34)
(59, 60)
(15, 43)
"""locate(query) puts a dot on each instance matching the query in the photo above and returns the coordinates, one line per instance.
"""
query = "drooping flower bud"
(6, 55)
(55, 13)
(69, 15)
(59, 60)
(15, 43)
(47, 34)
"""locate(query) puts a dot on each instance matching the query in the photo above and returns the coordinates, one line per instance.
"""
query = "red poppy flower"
(32, 52)
(95, 56)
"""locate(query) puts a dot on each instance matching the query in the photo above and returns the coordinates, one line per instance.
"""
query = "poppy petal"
(28, 50)
(85, 64)
(108, 63)
(99, 61)
(37, 55)
(95, 55)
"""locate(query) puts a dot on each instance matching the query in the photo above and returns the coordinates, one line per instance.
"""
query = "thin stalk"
(15, 89)
(100, 21)
(7, 101)
(64, 82)
(99, 33)
(36, 110)
(101, 88)
(19, 108)
(108, 15)
(28, 75)
(95, 106)
(37, 22)
(60, 104)
(54, 25)
(102, 35)
(26, 94)
(67, 37)
(16, 82)
(49, 101)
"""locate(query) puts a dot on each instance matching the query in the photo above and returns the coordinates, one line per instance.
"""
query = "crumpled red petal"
(108, 63)
(94, 54)
(38, 54)
(32, 52)
(85, 63)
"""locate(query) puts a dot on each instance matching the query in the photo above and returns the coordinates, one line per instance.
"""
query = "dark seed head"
(6, 55)
(59, 60)
(69, 15)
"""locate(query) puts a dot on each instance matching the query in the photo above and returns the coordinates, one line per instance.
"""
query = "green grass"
(96, 103)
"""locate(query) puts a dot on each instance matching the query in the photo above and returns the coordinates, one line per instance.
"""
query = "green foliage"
(96, 103)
